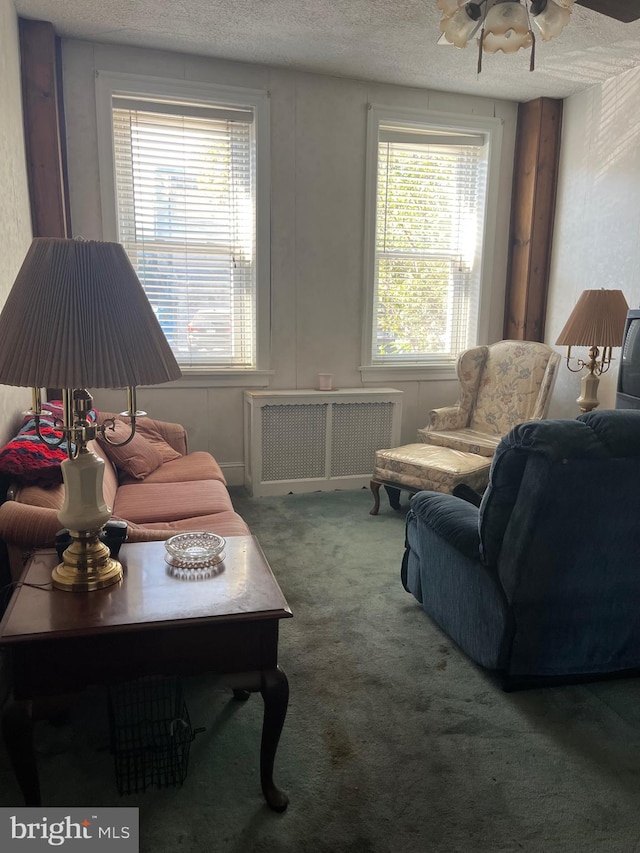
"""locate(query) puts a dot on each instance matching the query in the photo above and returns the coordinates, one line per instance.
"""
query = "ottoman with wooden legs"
(417, 467)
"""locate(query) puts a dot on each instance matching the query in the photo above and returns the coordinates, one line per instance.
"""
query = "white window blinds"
(186, 210)
(430, 202)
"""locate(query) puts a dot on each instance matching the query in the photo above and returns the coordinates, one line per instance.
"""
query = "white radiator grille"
(304, 440)
(357, 431)
(293, 442)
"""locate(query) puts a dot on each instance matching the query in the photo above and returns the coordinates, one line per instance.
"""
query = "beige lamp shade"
(78, 317)
(597, 320)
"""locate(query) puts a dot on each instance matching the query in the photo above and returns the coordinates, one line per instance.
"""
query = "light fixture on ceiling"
(504, 25)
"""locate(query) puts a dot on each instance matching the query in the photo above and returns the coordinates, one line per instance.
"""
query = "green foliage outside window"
(426, 213)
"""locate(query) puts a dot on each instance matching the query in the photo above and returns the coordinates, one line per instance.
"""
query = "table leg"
(275, 694)
(17, 732)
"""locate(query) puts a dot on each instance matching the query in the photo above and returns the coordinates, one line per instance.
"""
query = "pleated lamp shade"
(597, 320)
(78, 317)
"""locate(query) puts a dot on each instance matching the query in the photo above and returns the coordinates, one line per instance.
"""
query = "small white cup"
(325, 381)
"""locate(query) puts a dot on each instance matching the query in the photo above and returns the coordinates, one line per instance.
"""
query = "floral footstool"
(418, 467)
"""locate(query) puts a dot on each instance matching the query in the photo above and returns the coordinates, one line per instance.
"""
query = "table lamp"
(597, 322)
(77, 317)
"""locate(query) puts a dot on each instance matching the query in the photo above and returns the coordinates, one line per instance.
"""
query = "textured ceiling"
(392, 41)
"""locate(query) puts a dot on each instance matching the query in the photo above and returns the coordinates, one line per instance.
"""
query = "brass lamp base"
(86, 564)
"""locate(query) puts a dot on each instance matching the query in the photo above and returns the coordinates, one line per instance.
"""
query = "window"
(188, 195)
(428, 194)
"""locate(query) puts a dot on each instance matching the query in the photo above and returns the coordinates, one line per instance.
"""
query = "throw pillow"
(138, 458)
(152, 434)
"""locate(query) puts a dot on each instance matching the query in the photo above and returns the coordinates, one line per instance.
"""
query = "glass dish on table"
(195, 550)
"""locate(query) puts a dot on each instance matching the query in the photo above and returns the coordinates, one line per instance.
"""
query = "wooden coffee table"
(149, 624)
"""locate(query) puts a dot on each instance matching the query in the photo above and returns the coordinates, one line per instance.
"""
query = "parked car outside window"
(210, 330)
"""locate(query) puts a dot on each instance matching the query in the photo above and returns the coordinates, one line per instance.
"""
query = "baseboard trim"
(233, 473)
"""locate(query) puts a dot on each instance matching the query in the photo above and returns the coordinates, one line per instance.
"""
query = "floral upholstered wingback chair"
(501, 385)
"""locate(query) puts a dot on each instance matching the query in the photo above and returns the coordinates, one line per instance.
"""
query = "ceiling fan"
(621, 10)
(506, 25)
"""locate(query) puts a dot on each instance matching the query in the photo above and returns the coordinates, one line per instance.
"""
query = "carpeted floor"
(394, 742)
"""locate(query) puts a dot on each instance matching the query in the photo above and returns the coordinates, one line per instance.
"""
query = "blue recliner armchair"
(543, 578)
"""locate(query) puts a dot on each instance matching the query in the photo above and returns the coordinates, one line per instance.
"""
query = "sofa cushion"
(198, 465)
(138, 458)
(226, 523)
(155, 502)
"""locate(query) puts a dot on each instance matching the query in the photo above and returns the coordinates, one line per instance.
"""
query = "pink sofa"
(154, 484)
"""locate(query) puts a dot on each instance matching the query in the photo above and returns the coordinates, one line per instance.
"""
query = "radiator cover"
(307, 441)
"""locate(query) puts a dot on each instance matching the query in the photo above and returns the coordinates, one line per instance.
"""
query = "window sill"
(408, 372)
(207, 378)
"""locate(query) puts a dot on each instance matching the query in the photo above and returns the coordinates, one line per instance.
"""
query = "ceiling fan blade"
(622, 10)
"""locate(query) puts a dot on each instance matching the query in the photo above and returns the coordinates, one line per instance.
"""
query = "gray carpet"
(394, 742)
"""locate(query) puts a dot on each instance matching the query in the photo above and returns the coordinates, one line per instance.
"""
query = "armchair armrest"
(447, 417)
(452, 518)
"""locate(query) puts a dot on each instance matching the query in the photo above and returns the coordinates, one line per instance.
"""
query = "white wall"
(15, 216)
(597, 232)
(317, 207)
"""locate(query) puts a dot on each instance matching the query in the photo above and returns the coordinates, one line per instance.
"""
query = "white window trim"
(490, 127)
(110, 83)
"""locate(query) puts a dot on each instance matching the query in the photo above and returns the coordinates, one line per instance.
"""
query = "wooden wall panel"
(532, 216)
(44, 128)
